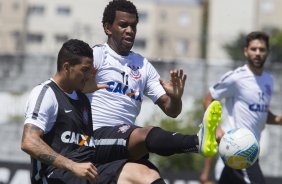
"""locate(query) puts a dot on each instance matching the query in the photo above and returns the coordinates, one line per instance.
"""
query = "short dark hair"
(257, 35)
(109, 14)
(72, 51)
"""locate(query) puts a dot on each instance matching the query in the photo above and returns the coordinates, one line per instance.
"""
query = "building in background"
(227, 19)
(50, 23)
(12, 38)
(169, 30)
(32, 31)
(12, 27)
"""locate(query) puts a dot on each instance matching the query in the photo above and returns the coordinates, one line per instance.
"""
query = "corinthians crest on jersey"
(134, 73)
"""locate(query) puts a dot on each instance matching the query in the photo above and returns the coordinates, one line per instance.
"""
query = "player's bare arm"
(91, 85)
(171, 102)
(274, 119)
(38, 149)
(35, 146)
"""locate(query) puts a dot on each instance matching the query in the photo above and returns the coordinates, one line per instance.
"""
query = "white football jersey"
(247, 98)
(129, 79)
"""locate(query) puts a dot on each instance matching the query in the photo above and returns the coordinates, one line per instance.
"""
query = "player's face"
(256, 53)
(122, 32)
(80, 73)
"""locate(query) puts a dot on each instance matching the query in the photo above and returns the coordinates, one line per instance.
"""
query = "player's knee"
(151, 175)
(137, 143)
(137, 173)
(141, 133)
(158, 181)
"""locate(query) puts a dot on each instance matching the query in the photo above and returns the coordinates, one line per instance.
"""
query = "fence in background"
(18, 76)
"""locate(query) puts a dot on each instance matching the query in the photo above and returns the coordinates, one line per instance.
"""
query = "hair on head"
(118, 5)
(257, 35)
(72, 51)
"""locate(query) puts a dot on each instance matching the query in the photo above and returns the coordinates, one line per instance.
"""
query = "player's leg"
(159, 141)
(230, 176)
(61, 176)
(111, 158)
(139, 173)
(125, 172)
(129, 141)
(255, 174)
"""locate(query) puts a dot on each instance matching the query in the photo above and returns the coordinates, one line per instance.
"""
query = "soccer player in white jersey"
(130, 76)
(247, 92)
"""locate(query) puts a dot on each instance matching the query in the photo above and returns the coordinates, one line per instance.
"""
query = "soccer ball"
(239, 148)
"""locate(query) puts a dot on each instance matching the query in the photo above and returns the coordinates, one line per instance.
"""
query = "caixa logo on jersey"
(258, 107)
(117, 87)
(77, 138)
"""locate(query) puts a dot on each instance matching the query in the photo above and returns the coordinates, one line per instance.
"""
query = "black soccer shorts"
(112, 153)
(252, 174)
(111, 143)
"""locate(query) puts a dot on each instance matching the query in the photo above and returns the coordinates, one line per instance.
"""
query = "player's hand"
(91, 84)
(174, 87)
(85, 170)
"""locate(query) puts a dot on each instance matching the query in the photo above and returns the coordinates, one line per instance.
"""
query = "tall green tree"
(276, 46)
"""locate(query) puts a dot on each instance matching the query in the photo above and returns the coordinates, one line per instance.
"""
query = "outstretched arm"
(170, 102)
(33, 144)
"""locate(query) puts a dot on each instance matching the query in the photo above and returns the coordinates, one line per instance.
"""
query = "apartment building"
(50, 23)
(227, 19)
(12, 26)
(167, 29)
(268, 14)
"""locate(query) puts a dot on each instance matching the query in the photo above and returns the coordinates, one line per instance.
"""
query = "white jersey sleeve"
(153, 89)
(224, 88)
(41, 107)
(98, 54)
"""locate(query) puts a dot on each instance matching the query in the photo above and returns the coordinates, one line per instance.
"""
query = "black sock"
(167, 143)
(158, 181)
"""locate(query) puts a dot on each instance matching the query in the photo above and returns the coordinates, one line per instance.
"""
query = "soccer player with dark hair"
(247, 91)
(58, 132)
(130, 76)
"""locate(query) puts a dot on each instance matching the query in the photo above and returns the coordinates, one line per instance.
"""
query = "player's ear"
(107, 28)
(66, 66)
(245, 52)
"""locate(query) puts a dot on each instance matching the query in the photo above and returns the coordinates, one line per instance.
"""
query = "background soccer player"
(247, 92)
